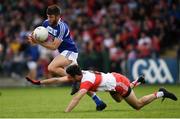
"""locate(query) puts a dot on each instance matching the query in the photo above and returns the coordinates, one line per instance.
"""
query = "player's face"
(52, 19)
(78, 78)
(75, 78)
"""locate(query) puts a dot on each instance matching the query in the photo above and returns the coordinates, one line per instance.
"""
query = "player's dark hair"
(74, 70)
(53, 10)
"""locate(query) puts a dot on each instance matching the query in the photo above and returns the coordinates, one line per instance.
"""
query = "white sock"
(136, 83)
(94, 94)
(159, 94)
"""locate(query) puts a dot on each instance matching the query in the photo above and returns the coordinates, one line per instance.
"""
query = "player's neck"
(56, 23)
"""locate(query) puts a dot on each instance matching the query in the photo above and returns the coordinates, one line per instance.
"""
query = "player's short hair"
(74, 70)
(53, 10)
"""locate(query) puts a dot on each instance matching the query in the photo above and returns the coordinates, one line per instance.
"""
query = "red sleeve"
(86, 85)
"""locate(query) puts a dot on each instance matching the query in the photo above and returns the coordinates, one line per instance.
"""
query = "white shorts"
(32, 65)
(70, 55)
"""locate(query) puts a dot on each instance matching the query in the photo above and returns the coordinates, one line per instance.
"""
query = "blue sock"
(97, 100)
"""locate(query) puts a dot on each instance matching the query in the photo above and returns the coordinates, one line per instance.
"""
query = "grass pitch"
(51, 102)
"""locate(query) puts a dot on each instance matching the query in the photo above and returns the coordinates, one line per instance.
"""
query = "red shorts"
(123, 85)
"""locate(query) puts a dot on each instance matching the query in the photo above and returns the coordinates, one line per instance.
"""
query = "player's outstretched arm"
(49, 81)
(74, 102)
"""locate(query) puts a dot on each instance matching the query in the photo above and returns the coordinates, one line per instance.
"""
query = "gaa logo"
(155, 71)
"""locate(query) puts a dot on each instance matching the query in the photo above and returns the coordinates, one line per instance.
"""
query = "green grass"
(51, 102)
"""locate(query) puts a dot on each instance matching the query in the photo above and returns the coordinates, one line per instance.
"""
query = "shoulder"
(45, 23)
(88, 76)
(62, 23)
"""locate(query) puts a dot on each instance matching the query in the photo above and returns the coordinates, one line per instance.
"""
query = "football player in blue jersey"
(61, 40)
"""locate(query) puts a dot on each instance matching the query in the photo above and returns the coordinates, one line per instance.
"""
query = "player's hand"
(33, 81)
(32, 40)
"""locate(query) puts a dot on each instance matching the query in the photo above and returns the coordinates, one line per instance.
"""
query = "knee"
(51, 69)
(117, 100)
(115, 96)
(137, 106)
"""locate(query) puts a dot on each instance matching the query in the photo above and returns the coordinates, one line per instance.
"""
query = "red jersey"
(104, 82)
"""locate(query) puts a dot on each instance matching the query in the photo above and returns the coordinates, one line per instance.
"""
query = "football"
(40, 33)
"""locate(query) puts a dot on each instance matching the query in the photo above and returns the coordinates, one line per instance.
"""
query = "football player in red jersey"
(111, 82)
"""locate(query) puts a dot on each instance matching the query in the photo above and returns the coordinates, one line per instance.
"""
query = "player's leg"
(137, 82)
(116, 96)
(61, 62)
(122, 84)
(57, 65)
(32, 67)
(139, 103)
(54, 80)
(100, 105)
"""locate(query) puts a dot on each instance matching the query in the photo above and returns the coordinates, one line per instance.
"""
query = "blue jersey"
(61, 31)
